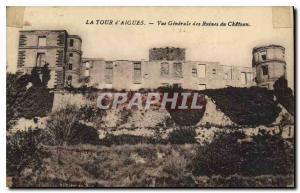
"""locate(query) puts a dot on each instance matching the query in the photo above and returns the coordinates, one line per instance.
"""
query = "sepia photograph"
(150, 97)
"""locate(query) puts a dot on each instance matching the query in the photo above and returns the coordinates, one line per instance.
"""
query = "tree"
(35, 77)
(24, 151)
(45, 75)
(284, 94)
(15, 91)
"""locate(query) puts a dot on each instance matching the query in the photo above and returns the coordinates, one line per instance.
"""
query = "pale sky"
(227, 45)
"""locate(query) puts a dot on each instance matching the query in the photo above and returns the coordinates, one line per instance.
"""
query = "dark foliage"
(228, 154)
(15, 89)
(182, 136)
(35, 78)
(220, 157)
(284, 94)
(45, 75)
(37, 101)
(246, 106)
(184, 117)
(237, 181)
(64, 128)
(24, 151)
(125, 115)
(267, 154)
(84, 135)
(88, 113)
(25, 101)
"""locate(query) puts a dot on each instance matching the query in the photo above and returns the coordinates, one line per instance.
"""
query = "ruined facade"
(62, 53)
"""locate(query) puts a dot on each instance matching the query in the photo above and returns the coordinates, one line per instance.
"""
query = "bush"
(36, 102)
(267, 154)
(27, 96)
(24, 151)
(246, 106)
(220, 157)
(284, 94)
(15, 89)
(91, 114)
(125, 114)
(63, 128)
(228, 154)
(236, 181)
(184, 117)
(182, 136)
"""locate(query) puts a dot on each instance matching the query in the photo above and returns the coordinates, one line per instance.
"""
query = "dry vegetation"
(69, 153)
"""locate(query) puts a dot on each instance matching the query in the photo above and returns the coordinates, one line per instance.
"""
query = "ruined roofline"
(258, 48)
(166, 47)
(75, 36)
(147, 61)
(65, 31)
(43, 31)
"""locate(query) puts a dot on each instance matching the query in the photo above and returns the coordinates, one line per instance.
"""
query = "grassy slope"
(131, 166)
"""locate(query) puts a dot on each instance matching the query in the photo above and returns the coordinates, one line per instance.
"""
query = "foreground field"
(142, 165)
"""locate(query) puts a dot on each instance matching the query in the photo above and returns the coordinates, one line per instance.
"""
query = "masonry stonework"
(166, 66)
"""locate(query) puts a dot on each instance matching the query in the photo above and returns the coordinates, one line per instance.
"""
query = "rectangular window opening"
(108, 74)
(243, 78)
(137, 73)
(164, 69)
(86, 73)
(201, 70)
(194, 72)
(40, 59)
(177, 70)
(265, 70)
(71, 42)
(201, 86)
(41, 41)
(214, 71)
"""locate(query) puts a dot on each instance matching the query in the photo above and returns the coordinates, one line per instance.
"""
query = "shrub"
(24, 151)
(91, 114)
(124, 116)
(184, 117)
(37, 102)
(267, 154)
(182, 136)
(15, 89)
(284, 94)
(220, 157)
(228, 154)
(237, 181)
(85, 135)
(25, 100)
(246, 106)
(63, 128)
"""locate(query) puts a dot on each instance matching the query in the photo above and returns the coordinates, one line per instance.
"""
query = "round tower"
(72, 68)
(268, 64)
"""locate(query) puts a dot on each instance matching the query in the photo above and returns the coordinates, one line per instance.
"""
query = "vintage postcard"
(150, 97)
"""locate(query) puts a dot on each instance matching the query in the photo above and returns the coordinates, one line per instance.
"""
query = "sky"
(227, 45)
